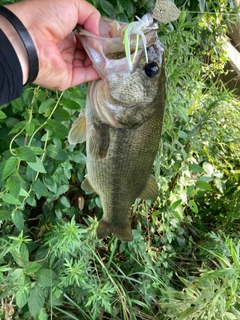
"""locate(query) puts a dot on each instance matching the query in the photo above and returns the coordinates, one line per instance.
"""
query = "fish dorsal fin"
(150, 192)
(98, 141)
(86, 185)
(77, 133)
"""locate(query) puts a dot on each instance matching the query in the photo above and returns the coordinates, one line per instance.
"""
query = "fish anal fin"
(122, 233)
(151, 191)
(77, 133)
(99, 141)
(86, 185)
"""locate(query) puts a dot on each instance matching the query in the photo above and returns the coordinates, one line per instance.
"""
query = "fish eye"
(151, 69)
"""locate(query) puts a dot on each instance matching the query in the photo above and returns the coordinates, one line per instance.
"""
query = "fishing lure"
(164, 11)
(138, 28)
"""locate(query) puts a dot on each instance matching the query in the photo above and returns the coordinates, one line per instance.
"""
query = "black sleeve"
(10, 71)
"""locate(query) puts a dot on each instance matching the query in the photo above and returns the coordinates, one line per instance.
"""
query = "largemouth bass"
(122, 124)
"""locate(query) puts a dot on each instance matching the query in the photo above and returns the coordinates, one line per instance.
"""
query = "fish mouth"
(107, 51)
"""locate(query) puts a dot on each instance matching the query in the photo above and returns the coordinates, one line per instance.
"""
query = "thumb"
(88, 17)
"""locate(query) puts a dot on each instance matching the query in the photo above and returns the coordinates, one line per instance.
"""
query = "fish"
(121, 123)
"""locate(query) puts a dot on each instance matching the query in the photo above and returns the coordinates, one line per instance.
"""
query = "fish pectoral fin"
(86, 185)
(150, 192)
(77, 133)
(122, 233)
(99, 141)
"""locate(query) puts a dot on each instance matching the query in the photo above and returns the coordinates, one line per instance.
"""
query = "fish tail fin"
(122, 233)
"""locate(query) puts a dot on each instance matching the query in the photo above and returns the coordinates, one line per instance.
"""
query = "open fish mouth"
(107, 51)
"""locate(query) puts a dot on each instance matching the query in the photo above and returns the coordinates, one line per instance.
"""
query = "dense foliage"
(184, 260)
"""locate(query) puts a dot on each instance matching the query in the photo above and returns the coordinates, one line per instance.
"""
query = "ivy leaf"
(10, 199)
(40, 189)
(50, 184)
(2, 115)
(29, 127)
(56, 153)
(107, 7)
(17, 218)
(5, 214)
(70, 104)
(9, 167)
(26, 154)
(37, 166)
(58, 129)
(47, 106)
(14, 186)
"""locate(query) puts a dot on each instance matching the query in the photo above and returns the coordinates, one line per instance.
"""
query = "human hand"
(63, 62)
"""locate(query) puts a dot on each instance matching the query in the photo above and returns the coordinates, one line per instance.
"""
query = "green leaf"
(176, 204)
(21, 256)
(36, 300)
(32, 267)
(225, 272)
(186, 313)
(31, 201)
(193, 206)
(195, 167)
(78, 157)
(26, 154)
(202, 5)
(14, 186)
(127, 6)
(203, 185)
(29, 127)
(50, 184)
(208, 168)
(2, 115)
(5, 214)
(58, 129)
(17, 218)
(23, 193)
(107, 7)
(46, 277)
(9, 167)
(43, 315)
(56, 153)
(65, 202)
(70, 104)
(183, 113)
(47, 106)
(37, 166)
(39, 188)
(10, 199)
(37, 150)
(190, 190)
(22, 297)
(61, 114)
(17, 126)
(182, 134)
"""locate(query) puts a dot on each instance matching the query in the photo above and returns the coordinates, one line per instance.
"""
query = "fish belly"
(122, 175)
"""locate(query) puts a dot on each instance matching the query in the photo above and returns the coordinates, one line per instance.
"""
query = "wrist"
(18, 46)
(32, 62)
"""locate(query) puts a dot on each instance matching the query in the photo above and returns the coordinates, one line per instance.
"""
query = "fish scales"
(124, 117)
